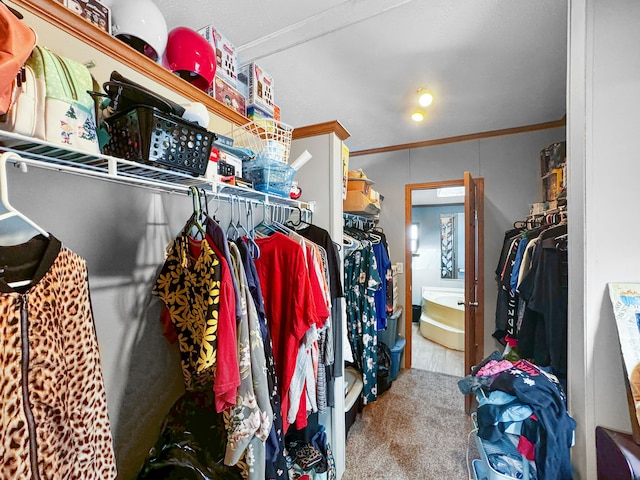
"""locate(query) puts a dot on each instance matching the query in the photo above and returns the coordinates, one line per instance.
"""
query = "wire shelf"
(51, 156)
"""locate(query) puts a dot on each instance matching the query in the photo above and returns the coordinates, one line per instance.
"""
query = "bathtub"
(441, 318)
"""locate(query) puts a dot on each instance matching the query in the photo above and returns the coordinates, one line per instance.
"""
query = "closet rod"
(110, 169)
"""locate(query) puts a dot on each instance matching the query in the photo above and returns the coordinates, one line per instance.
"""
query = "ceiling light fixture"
(425, 98)
(417, 116)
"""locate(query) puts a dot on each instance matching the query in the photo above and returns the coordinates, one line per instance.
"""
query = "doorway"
(458, 282)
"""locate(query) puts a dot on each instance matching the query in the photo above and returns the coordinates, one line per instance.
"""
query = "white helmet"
(140, 24)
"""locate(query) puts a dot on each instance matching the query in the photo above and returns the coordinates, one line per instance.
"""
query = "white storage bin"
(507, 445)
(479, 470)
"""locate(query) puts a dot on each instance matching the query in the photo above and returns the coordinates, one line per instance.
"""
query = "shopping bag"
(16, 43)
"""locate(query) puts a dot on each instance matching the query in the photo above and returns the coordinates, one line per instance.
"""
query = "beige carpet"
(416, 430)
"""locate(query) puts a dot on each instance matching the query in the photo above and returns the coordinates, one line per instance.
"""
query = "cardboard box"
(92, 10)
(226, 55)
(227, 95)
(256, 113)
(219, 161)
(261, 118)
(259, 87)
(360, 185)
(357, 180)
(360, 204)
(230, 159)
(552, 184)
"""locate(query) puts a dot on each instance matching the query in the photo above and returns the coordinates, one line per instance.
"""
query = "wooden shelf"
(57, 14)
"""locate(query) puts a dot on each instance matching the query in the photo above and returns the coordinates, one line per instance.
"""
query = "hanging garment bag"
(53, 103)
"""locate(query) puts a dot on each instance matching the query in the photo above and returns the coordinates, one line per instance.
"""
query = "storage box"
(147, 135)
(360, 204)
(227, 95)
(226, 55)
(259, 86)
(363, 186)
(270, 176)
(229, 159)
(396, 356)
(256, 114)
(389, 336)
(552, 184)
(92, 10)
(353, 395)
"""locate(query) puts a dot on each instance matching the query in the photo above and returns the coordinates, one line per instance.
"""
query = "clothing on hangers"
(361, 282)
(276, 466)
(284, 276)
(54, 410)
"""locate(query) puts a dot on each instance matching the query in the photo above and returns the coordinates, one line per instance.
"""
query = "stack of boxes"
(361, 198)
(225, 86)
(248, 89)
(553, 162)
(259, 95)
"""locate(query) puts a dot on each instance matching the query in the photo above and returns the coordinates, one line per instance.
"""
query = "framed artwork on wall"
(447, 243)
(625, 298)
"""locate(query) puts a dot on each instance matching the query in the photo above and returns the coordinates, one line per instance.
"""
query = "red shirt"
(289, 304)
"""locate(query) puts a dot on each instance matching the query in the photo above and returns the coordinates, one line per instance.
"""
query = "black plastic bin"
(415, 313)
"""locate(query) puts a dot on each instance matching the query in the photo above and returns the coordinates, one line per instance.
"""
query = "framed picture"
(447, 252)
(625, 298)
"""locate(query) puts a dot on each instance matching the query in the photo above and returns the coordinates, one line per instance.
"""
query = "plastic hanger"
(242, 230)
(254, 249)
(12, 221)
(233, 232)
(195, 221)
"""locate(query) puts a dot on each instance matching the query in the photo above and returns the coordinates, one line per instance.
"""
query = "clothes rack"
(14, 222)
(358, 221)
(25, 151)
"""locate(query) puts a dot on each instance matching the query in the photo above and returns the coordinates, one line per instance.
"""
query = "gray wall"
(510, 168)
(603, 145)
(426, 266)
(121, 232)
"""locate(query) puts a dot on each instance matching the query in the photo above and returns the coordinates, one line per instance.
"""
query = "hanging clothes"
(531, 311)
(191, 285)
(543, 333)
(54, 409)
(276, 465)
(289, 305)
(361, 282)
(250, 419)
(331, 348)
(383, 263)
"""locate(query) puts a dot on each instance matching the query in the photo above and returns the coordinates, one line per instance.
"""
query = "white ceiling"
(491, 64)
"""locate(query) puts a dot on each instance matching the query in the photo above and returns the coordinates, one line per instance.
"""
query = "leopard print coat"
(53, 412)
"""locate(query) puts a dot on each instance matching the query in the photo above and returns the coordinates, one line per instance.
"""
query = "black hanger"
(195, 221)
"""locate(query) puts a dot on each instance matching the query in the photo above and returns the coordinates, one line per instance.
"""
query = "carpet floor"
(417, 430)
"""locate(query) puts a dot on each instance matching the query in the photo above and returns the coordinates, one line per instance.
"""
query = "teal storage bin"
(396, 355)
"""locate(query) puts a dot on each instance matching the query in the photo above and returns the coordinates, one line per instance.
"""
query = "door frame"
(474, 344)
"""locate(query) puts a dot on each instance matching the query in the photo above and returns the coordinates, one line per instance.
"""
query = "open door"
(474, 272)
